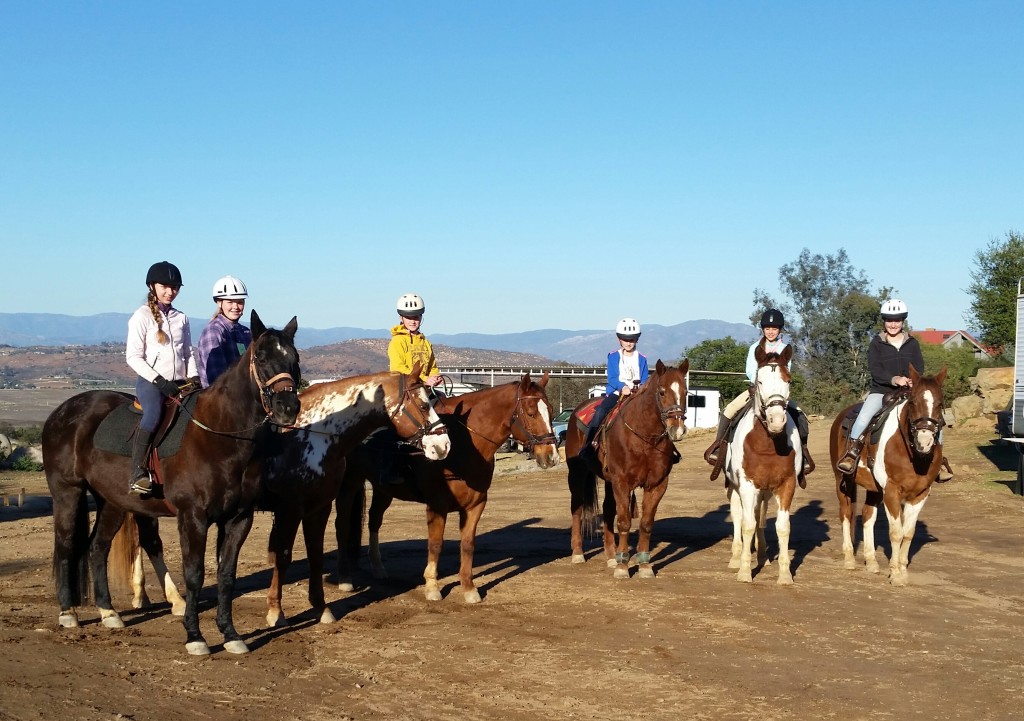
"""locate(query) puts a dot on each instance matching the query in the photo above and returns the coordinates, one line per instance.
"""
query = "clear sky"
(520, 165)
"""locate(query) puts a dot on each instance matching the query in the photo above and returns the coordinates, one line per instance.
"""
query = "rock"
(992, 379)
(967, 407)
(6, 447)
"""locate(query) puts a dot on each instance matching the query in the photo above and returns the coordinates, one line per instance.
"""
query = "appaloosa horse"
(763, 460)
(205, 483)
(301, 480)
(898, 469)
(478, 424)
(636, 451)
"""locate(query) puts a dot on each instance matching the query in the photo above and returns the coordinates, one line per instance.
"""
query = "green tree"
(960, 365)
(993, 288)
(720, 355)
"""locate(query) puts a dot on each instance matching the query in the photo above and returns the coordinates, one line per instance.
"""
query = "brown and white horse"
(301, 480)
(637, 451)
(478, 424)
(898, 471)
(763, 460)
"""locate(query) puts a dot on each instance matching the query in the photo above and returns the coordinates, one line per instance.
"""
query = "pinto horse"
(478, 424)
(897, 470)
(637, 451)
(302, 479)
(211, 480)
(763, 460)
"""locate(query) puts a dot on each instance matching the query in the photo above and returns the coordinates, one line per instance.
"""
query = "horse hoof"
(473, 596)
(236, 646)
(276, 619)
(612, 563)
(872, 568)
(178, 609)
(142, 602)
(327, 616)
(578, 558)
(112, 621)
(620, 573)
(744, 577)
(68, 620)
(785, 579)
(346, 587)
(197, 648)
(433, 595)
(645, 572)
(734, 563)
(850, 565)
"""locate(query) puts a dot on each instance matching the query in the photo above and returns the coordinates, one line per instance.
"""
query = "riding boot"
(945, 472)
(808, 467)
(141, 481)
(848, 463)
(711, 454)
(588, 453)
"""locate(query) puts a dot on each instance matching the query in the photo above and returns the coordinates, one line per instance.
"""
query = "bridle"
(424, 426)
(532, 440)
(280, 383)
(673, 412)
(922, 423)
(762, 404)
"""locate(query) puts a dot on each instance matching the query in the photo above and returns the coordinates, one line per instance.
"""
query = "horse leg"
(192, 532)
(782, 530)
(108, 521)
(736, 514)
(846, 492)
(578, 477)
(70, 549)
(150, 542)
(609, 512)
(760, 519)
(233, 533)
(279, 554)
(348, 527)
(314, 526)
(869, 514)
(911, 512)
(643, 544)
(468, 522)
(623, 521)
(435, 539)
(748, 523)
(378, 506)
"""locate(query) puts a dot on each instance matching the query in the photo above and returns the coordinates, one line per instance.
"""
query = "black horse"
(212, 479)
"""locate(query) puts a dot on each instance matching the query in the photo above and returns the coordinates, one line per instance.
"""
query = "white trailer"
(1017, 418)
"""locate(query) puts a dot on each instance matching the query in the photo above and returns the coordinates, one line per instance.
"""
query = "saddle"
(874, 431)
(115, 432)
(585, 414)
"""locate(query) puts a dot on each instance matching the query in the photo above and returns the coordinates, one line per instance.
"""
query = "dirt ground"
(553, 640)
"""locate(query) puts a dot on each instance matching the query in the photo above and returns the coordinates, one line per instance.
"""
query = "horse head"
(418, 419)
(274, 368)
(669, 390)
(531, 420)
(923, 412)
(771, 388)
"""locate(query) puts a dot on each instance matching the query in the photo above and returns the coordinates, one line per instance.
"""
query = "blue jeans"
(152, 402)
(872, 404)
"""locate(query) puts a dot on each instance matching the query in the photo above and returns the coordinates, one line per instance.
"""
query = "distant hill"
(587, 347)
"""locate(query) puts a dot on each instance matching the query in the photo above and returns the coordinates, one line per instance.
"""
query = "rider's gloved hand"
(168, 388)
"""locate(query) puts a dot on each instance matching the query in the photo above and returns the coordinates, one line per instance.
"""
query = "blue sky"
(520, 165)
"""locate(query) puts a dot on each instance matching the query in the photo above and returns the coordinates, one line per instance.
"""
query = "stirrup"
(141, 485)
(852, 459)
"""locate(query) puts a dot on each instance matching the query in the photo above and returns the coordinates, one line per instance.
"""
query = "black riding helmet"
(772, 318)
(164, 273)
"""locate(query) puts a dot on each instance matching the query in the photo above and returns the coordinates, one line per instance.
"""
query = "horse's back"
(69, 429)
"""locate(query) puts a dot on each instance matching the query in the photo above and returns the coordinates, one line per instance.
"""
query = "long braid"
(161, 337)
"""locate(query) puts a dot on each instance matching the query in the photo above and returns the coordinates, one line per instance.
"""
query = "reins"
(675, 411)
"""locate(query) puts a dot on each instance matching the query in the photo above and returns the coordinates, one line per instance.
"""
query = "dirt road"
(552, 640)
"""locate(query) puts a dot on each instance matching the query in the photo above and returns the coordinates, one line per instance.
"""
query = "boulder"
(6, 447)
(992, 380)
(967, 407)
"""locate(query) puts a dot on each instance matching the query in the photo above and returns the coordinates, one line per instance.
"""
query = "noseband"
(424, 426)
(922, 423)
(280, 383)
(532, 440)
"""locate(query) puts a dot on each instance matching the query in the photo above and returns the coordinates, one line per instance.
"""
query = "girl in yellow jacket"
(408, 346)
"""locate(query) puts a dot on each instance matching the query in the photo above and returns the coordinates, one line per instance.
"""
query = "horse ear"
(524, 382)
(417, 368)
(289, 330)
(659, 366)
(256, 325)
(543, 382)
(685, 365)
(759, 354)
(914, 375)
(940, 377)
(787, 354)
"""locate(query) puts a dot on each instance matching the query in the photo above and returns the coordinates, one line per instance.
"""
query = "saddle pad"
(874, 429)
(585, 413)
(115, 431)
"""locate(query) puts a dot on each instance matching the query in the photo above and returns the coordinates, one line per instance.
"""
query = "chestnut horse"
(302, 479)
(206, 482)
(636, 451)
(898, 470)
(478, 424)
(763, 460)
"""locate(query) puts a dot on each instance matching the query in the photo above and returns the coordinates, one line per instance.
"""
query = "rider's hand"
(901, 381)
(626, 390)
(433, 380)
(168, 388)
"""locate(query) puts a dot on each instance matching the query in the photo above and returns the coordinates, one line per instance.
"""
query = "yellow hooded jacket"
(405, 349)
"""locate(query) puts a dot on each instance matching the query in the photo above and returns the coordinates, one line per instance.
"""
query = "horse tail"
(78, 561)
(124, 549)
(591, 510)
(357, 519)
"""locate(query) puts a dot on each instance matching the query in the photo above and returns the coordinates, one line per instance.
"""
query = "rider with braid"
(159, 350)
(772, 325)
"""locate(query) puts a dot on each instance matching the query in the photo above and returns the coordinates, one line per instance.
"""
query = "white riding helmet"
(229, 288)
(627, 329)
(410, 305)
(894, 309)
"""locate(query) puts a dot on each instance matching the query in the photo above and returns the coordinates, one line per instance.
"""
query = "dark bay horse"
(478, 424)
(301, 480)
(636, 451)
(211, 480)
(763, 460)
(897, 470)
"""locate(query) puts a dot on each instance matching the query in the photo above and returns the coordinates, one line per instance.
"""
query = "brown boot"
(848, 463)
(716, 447)
(141, 481)
(945, 472)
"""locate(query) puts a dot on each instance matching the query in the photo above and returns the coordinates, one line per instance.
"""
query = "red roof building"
(953, 339)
